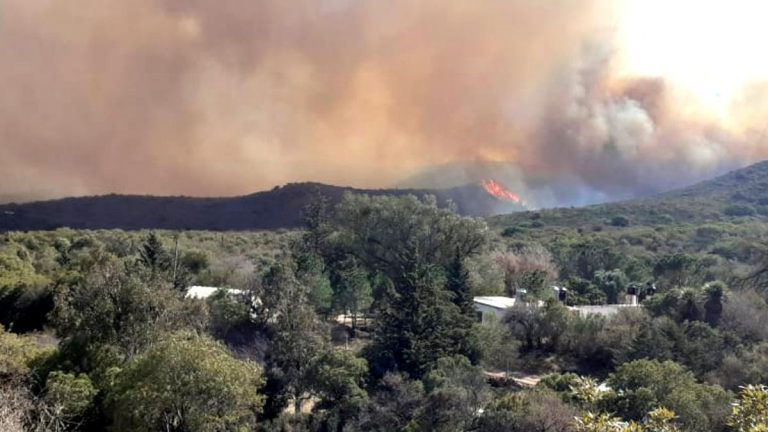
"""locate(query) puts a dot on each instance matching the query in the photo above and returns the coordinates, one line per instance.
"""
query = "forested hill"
(280, 207)
(737, 195)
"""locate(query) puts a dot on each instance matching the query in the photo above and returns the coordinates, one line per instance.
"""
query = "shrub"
(186, 382)
(620, 221)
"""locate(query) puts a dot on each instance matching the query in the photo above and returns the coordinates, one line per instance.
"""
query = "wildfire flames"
(497, 190)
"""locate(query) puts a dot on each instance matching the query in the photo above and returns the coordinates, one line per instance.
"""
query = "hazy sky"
(199, 97)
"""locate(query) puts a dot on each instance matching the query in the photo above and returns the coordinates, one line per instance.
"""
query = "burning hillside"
(497, 190)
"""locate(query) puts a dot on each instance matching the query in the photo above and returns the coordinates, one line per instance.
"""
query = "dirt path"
(520, 378)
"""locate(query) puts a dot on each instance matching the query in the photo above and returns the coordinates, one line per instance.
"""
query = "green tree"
(457, 391)
(613, 283)
(538, 327)
(713, 302)
(393, 405)
(311, 272)
(66, 400)
(353, 294)
(296, 338)
(153, 255)
(186, 383)
(413, 244)
(337, 380)
(110, 307)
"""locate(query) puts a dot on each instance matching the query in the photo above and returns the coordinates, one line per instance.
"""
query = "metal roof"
(497, 302)
(202, 292)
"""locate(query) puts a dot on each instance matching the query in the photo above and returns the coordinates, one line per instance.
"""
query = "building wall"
(485, 309)
(604, 310)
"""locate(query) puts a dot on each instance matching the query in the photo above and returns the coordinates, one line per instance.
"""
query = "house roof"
(496, 302)
(203, 292)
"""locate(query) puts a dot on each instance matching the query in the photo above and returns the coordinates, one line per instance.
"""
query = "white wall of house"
(485, 309)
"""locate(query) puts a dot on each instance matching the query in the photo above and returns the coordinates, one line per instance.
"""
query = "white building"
(607, 311)
(496, 305)
(203, 292)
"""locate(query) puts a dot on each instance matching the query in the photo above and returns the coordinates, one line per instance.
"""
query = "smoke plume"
(220, 98)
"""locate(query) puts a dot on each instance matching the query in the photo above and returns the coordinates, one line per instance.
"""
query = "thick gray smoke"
(220, 98)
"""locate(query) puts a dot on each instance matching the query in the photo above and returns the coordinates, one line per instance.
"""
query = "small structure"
(561, 293)
(496, 305)
(203, 292)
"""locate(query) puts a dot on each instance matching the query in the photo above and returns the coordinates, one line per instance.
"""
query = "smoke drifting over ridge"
(220, 98)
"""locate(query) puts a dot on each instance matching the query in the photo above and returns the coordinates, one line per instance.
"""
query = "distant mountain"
(739, 194)
(280, 207)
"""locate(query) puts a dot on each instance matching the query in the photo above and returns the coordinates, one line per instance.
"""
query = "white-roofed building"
(203, 292)
(496, 305)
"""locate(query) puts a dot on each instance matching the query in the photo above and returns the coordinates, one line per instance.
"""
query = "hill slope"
(280, 207)
(736, 195)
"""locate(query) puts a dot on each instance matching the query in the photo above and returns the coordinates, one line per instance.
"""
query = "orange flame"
(497, 190)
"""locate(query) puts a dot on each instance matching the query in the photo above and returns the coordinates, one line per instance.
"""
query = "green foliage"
(296, 340)
(713, 304)
(227, 312)
(498, 348)
(511, 231)
(456, 392)
(418, 248)
(17, 355)
(25, 295)
(196, 261)
(620, 221)
(530, 269)
(584, 292)
(186, 382)
(613, 283)
(353, 293)
(108, 306)
(537, 327)
(739, 210)
(393, 404)
(337, 380)
(527, 411)
(642, 385)
(658, 420)
(750, 411)
(153, 255)
(312, 273)
(68, 398)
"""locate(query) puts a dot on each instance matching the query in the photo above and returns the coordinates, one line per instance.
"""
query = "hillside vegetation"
(738, 196)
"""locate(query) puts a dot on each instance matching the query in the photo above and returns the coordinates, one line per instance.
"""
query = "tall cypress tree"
(153, 255)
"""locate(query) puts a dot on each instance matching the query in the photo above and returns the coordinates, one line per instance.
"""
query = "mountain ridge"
(279, 207)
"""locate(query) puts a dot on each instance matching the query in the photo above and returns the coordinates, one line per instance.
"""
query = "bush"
(643, 385)
(186, 382)
(511, 231)
(620, 221)
(17, 355)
